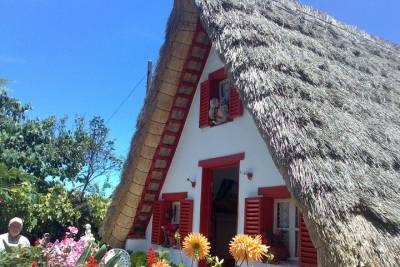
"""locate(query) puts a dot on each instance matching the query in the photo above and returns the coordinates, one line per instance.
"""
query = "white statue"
(88, 233)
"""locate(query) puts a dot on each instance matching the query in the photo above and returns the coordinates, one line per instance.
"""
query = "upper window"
(219, 100)
(218, 112)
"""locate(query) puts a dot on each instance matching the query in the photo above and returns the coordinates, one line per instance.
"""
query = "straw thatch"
(150, 124)
(326, 99)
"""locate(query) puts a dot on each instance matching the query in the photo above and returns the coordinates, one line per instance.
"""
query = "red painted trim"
(174, 196)
(144, 223)
(217, 75)
(308, 255)
(201, 45)
(206, 202)
(184, 83)
(204, 120)
(191, 71)
(184, 110)
(206, 191)
(274, 191)
(194, 59)
(183, 96)
(222, 162)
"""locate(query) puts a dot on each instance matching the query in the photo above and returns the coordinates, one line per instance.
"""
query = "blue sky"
(83, 57)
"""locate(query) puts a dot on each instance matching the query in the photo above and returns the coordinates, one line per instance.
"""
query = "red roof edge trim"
(221, 161)
(174, 196)
(274, 191)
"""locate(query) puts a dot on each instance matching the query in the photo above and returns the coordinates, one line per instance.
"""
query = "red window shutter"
(186, 218)
(159, 210)
(204, 104)
(259, 215)
(308, 253)
(235, 104)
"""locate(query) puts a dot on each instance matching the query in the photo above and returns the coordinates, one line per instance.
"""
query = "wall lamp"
(248, 173)
(192, 181)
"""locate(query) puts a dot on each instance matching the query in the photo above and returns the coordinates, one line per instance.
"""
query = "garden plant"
(243, 248)
(68, 252)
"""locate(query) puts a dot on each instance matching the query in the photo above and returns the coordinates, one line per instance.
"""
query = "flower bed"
(243, 248)
(68, 252)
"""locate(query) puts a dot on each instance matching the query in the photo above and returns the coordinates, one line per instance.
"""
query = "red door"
(206, 198)
(206, 206)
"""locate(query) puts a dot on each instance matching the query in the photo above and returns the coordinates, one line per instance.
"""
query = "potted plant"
(169, 234)
(277, 247)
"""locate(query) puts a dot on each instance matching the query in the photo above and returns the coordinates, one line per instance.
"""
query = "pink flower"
(73, 229)
(67, 251)
(76, 252)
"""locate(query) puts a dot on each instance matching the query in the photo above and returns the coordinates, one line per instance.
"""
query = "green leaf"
(84, 256)
(100, 253)
(7, 247)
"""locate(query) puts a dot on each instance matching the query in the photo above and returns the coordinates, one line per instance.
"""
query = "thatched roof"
(326, 99)
(150, 124)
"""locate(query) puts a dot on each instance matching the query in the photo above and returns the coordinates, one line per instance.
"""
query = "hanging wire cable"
(126, 98)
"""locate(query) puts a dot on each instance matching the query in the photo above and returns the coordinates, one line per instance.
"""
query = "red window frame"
(208, 165)
(160, 209)
(259, 216)
(209, 89)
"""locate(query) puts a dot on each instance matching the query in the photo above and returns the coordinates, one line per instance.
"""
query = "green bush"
(138, 259)
(21, 257)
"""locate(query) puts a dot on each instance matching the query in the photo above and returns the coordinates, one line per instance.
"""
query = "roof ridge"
(326, 18)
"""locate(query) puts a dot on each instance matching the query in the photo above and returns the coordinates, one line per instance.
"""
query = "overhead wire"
(276, 4)
(126, 98)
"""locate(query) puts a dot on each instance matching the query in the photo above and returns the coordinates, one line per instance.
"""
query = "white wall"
(240, 135)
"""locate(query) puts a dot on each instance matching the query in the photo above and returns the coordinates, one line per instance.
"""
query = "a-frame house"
(266, 117)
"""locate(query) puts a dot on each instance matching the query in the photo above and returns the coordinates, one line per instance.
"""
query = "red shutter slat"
(204, 104)
(186, 218)
(159, 210)
(235, 104)
(308, 253)
(258, 215)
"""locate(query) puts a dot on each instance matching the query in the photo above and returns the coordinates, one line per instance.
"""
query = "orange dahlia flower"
(196, 246)
(160, 263)
(246, 248)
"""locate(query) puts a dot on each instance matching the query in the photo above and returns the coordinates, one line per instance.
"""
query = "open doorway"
(225, 189)
(219, 203)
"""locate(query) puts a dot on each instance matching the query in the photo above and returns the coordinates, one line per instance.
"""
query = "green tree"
(54, 211)
(38, 154)
(17, 193)
(95, 154)
(47, 148)
(31, 144)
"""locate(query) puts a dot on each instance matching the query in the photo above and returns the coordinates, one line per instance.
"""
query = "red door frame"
(208, 166)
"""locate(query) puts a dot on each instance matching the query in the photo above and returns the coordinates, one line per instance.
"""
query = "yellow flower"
(160, 263)
(196, 246)
(246, 248)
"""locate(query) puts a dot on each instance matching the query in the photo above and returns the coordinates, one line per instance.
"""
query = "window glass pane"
(283, 215)
(176, 205)
(224, 92)
(297, 218)
(285, 238)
